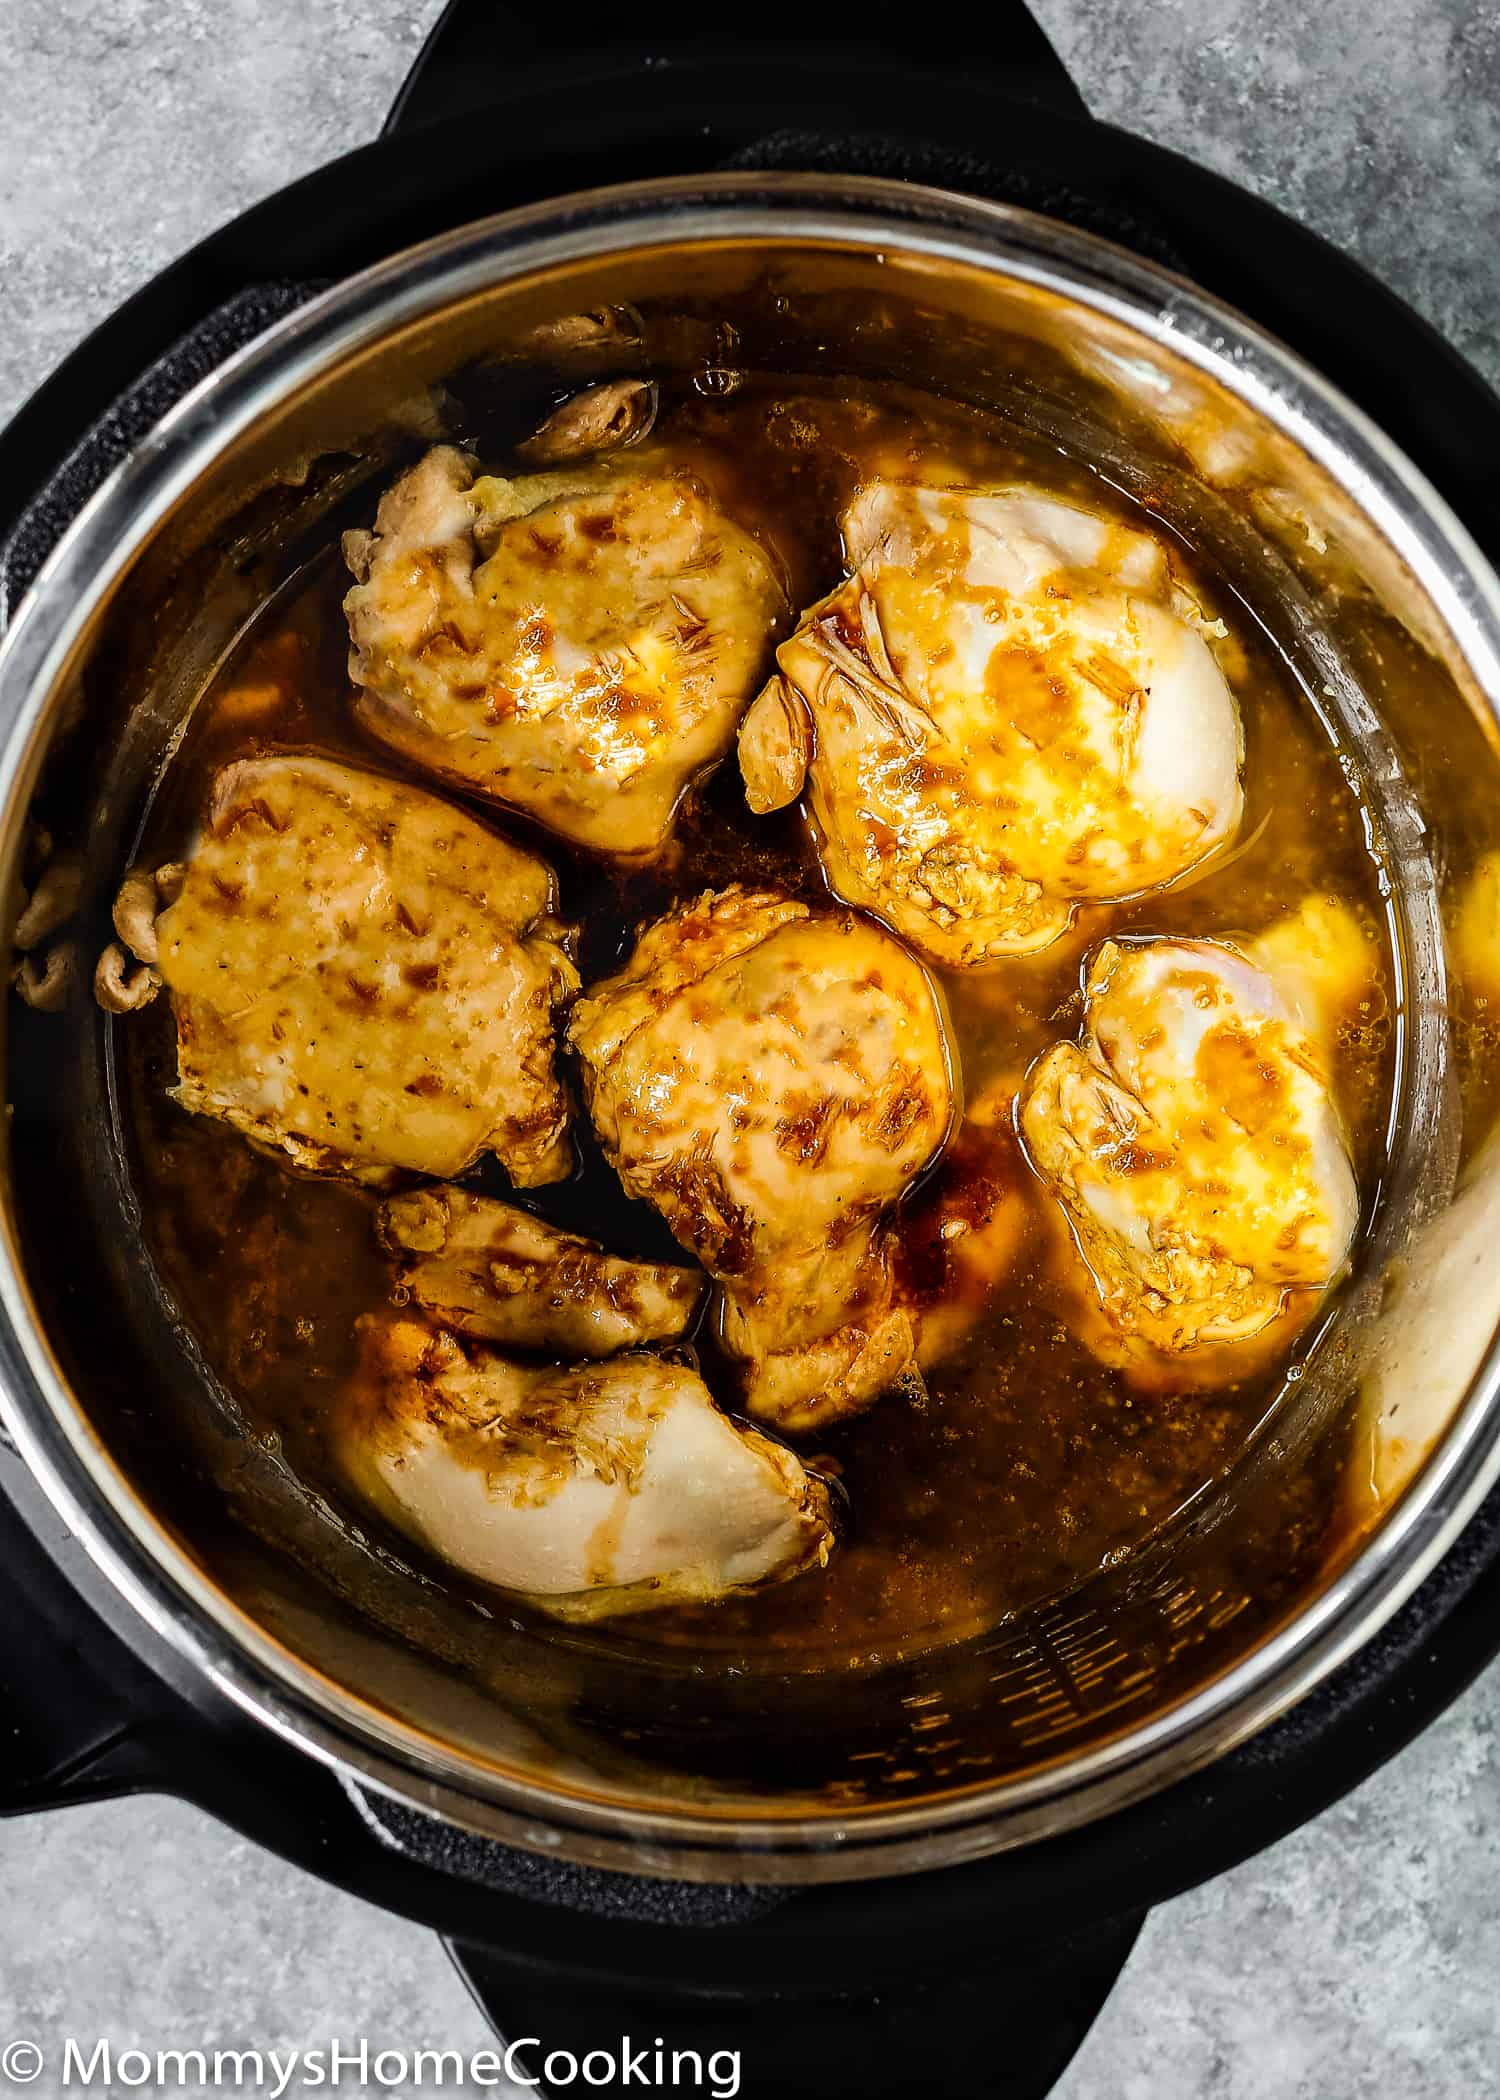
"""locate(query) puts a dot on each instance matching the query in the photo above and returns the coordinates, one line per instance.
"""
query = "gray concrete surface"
(1359, 1957)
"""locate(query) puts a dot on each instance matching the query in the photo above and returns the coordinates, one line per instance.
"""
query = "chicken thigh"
(590, 1489)
(1005, 712)
(363, 979)
(1192, 1139)
(578, 644)
(488, 1269)
(772, 1079)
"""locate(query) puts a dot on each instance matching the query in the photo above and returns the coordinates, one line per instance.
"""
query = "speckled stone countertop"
(1360, 1956)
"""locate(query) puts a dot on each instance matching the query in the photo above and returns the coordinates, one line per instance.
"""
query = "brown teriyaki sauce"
(1029, 1464)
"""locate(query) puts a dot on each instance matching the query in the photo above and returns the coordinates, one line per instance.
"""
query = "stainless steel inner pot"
(1391, 619)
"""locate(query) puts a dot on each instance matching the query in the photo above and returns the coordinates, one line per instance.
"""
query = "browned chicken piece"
(601, 419)
(488, 1269)
(577, 644)
(772, 1080)
(1193, 1140)
(364, 979)
(591, 1489)
(1007, 711)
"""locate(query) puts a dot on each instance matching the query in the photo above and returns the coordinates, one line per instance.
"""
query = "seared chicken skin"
(1192, 1138)
(488, 1269)
(1005, 712)
(364, 979)
(590, 1489)
(772, 1080)
(579, 644)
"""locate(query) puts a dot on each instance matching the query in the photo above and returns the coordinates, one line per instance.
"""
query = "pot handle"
(476, 44)
(80, 1718)
(990, 2023)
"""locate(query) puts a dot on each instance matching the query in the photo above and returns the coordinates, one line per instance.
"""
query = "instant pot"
(932, 1870)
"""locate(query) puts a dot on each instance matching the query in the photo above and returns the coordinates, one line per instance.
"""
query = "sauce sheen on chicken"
(578, 644)
(364, 979)
(592, 1489)
(1192, 1138)
(1000, 715)
(772, 1080)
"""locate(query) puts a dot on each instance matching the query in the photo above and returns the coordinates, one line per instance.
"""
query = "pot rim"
(158, 1579)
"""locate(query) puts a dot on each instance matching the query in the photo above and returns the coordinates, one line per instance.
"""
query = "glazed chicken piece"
(577, 644)
(363, 979)
(1005, 712)
(487, 1269)
(591, 1489)
(1192, 1139)
(772, 1079)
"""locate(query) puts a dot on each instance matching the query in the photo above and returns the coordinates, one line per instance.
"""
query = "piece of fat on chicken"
(364, 980)
(588, 1489)
(1006, 711)
(772, 1079)
(488, 1269)
(579, 645)
(1192, 1138)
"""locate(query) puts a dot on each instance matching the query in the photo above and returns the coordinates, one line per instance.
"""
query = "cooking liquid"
(1029, 1464)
